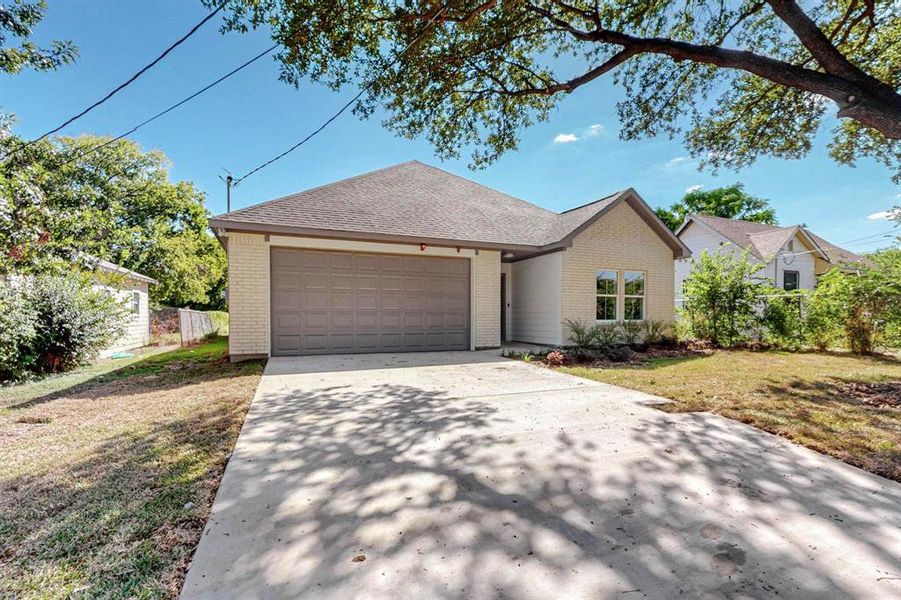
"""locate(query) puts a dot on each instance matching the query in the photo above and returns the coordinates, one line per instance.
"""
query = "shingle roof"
(418, 201)
(764, 241)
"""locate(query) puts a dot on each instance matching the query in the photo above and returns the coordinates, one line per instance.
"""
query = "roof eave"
(224, 225)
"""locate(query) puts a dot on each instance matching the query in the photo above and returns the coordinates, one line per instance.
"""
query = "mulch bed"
(880, 395)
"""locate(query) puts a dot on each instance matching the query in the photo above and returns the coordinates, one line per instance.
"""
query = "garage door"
(327, 302)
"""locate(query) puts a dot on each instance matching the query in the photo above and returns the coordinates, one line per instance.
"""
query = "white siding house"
(134, 292)
(789, 257)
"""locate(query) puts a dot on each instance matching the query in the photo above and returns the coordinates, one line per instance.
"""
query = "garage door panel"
(335, 302)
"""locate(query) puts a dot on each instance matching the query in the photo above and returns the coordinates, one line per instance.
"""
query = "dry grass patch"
(842, 405)
(105, 485)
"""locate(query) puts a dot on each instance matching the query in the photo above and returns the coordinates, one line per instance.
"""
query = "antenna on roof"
(229, 180)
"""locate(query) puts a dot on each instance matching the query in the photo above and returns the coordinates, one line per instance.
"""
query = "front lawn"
(846, 406)
(107, 475)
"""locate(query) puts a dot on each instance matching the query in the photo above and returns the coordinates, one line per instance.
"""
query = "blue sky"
(253, 116)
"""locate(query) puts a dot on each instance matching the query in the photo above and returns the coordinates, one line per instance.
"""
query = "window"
(790, 280)
(633, 301)
(135, 302)
(606, 295)
(791, 246)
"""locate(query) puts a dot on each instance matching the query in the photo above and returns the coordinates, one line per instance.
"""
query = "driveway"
(464, 475)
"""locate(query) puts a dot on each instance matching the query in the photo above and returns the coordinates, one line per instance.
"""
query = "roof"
(414, 201)
(109, 267)
(765, 241)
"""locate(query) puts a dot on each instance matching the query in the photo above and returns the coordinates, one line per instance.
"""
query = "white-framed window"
(135, 302)
(633, 295)
(607, 292)
(791, 280)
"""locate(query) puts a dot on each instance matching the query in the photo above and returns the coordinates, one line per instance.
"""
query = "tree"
(747, 78)
(730, 202)
(65, 199)
(864, 308)
(19, 20)
(721, 297)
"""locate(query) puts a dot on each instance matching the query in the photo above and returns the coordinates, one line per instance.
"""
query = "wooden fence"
(193, 325)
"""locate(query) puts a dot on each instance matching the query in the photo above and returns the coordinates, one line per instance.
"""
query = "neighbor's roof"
(416, 201)
(109, 267)
(765, 241)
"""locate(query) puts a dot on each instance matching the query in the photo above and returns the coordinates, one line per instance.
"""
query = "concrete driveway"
(464, 475)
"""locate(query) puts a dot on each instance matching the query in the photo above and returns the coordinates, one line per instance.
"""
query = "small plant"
(526, 357)
(582, 335)
(555, 358)
(607, 336)
(658, 332)
(632, 331)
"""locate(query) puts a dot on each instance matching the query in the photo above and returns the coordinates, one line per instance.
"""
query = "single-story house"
(790, 257)
(412, 257)
(132, 288)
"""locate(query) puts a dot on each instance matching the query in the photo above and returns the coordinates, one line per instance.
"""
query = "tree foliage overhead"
(64, 198)
(730, 202)
(744, 79)
(18, 20)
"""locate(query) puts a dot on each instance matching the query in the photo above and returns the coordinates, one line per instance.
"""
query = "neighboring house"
(790, 257)
(134, 291)
(414, 258)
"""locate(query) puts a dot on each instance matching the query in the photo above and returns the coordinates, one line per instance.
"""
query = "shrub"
(555, 358)
(721, 298)
(607, 336)
(780, 318)
(581, 334)
(17, 328)
(659, 332)
(632, 332)
(68, 323)
(219, 319)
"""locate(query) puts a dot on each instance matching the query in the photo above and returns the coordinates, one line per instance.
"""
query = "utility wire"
(347, 105)
(171, 108)
(128, 82)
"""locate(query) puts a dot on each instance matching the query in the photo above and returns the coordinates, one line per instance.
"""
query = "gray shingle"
(416, 200)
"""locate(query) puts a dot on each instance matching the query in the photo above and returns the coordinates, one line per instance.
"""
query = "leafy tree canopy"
(739, 79)
(64, 198)
(731, 202)
(18, 20)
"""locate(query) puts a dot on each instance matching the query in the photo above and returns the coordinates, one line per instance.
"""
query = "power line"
(171, 108)
(347, 105)
(128, 82)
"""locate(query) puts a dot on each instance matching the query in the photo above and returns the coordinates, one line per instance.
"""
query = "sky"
(573, 158)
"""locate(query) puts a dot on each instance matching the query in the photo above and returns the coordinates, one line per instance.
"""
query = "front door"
(503, 308)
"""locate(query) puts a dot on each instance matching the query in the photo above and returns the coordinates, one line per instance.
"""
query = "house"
(133, 288)
(790, 257)
(412, 257)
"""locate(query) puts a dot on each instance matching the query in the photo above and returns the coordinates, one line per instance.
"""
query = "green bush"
(63, 322)
(722, 298)
(581, 334)
(18, 323)
(220, 321)
(780, 319)
(633, 332)
(659, 332)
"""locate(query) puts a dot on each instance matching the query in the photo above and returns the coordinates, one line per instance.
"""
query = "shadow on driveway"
(495, 479)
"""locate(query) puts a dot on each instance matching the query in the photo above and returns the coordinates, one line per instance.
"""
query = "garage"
(328, 302)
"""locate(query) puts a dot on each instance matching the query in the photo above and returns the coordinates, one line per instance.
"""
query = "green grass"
(107, 475)
(818, 400)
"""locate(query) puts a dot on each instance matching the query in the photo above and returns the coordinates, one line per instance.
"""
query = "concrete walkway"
(464, 475)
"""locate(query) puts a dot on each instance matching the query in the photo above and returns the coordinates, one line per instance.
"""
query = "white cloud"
(881, 215)
(675, 162)
(594, 130)
(693, 188)
(565, 138)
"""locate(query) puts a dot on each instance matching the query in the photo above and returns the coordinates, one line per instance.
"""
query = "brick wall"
(487, 298)
(620, 240)
(248, 295)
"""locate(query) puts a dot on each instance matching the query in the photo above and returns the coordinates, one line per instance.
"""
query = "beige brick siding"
(619, 240)
(248, 294)
(487, 298)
